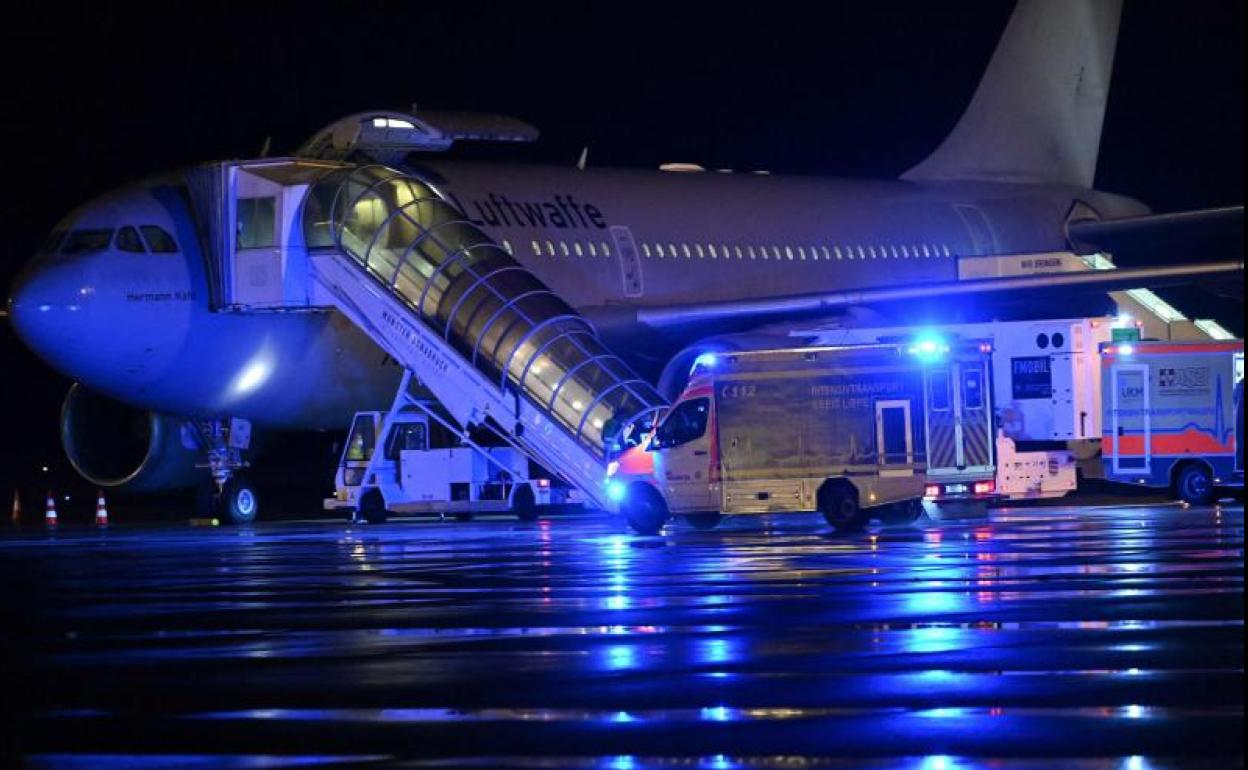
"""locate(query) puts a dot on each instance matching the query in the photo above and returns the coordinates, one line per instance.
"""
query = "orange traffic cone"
(101, 512)
(49, 517)
(17, 509)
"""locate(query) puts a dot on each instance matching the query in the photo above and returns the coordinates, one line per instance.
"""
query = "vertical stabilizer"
(1037, 113)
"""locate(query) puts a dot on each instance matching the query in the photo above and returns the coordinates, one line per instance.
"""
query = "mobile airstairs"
(494, 346)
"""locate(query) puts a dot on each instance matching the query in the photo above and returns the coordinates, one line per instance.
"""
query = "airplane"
(126, 296)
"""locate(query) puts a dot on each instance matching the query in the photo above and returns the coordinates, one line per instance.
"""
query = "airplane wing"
(1099, 278)
(1216, 233)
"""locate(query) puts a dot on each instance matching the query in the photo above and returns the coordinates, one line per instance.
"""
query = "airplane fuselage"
(139, 327)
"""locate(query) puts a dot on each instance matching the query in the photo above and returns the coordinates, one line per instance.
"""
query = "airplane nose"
(49, 308)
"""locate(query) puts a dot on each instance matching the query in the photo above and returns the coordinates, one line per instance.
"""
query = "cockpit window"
(128, 240)
(52, 243)
(158, 241)
(86, 241)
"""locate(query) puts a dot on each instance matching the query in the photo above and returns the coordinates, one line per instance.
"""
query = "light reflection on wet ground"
(1081, 638)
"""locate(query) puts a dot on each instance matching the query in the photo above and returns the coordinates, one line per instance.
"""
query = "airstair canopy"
(387, 136)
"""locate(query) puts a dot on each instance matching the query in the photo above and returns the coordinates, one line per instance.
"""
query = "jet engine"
(112, 444)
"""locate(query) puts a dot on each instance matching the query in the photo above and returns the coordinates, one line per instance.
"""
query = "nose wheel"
(237, 502)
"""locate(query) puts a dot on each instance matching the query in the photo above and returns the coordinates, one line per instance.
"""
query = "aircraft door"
(257, 238)
(1130, 420)
(630, 263)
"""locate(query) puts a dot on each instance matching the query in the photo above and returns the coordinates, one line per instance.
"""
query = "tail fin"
(1037, 113)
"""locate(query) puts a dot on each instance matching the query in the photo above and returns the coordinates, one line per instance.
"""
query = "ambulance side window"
(938, 388)
(973, 389)
(684, 423)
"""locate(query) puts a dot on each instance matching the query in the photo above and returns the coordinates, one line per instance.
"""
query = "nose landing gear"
(228, 496)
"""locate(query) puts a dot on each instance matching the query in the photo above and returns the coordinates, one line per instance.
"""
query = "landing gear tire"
(904, 514)
(704, 521)
(645, 511)
(238, 501)
(841, 510)
(372, 507)
(524, 504)
(1194, 485)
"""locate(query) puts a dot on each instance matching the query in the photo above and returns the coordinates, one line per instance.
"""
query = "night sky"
(101, 95)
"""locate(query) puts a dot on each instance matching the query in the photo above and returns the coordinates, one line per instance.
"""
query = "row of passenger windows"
(749, 251)
(136, 240)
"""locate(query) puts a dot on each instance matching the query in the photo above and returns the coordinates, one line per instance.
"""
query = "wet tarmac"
(1040, 638)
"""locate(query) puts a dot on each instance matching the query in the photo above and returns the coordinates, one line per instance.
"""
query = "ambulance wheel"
(372, 507)
(463, 516)
(704, 521)
(1194, 484)
(841, 510)
(645, 510)
(238, 501)
(524, 504)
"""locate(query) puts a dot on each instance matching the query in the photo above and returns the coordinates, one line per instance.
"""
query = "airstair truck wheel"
(372, 507)
(523, 503)
(239, 503)
(1194, 484)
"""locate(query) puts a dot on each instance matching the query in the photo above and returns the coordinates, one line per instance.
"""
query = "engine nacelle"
(112, 444)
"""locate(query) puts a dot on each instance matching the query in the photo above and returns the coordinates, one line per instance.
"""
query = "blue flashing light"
(928, 347)
(616, 491)
(706, 360)
(1126, 350)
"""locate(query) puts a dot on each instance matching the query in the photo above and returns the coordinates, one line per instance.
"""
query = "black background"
(99, 95)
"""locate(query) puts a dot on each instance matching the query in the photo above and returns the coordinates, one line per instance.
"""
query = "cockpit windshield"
(86, 241)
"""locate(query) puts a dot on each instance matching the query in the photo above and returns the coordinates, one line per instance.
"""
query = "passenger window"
(406, 436)
(256, 222)
(158, 241)
(87, 241)
(973, 389)
(684, 423)
(128, 240)
(938, 389)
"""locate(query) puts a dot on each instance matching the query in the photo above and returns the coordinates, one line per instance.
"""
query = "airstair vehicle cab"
(494, 346)
(413, 460)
